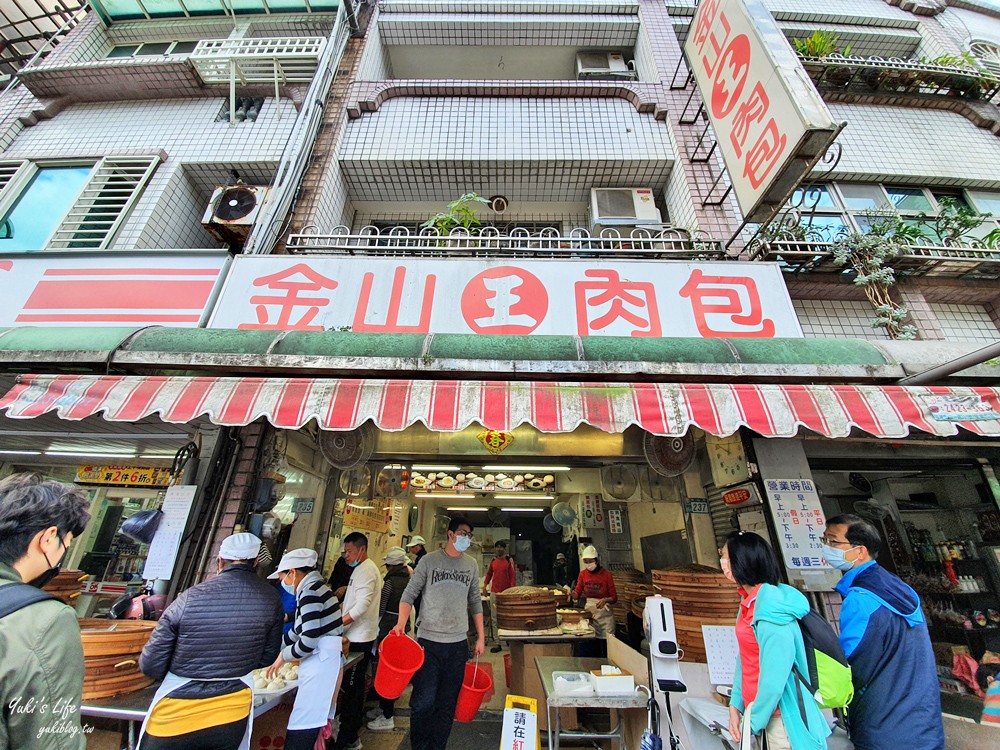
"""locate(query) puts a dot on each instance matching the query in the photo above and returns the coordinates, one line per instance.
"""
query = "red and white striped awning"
(449, 406)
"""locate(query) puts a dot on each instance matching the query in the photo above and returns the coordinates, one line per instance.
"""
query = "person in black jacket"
(397, 575)
(223, 628)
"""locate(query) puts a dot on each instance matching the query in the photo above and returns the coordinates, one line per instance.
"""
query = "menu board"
(798, 520)
(163, 550)
(369, 515)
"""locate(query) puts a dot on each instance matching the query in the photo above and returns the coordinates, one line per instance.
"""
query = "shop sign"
(123, 476)
(368, 515)
(49, 289)
(745, 494)
(615, 525)
(798, 521)
(697, 505)
(770, 123)
(968, 408)
(303, 505)
(163, 551)
(593, 511)
(496, 441)
(470, 296)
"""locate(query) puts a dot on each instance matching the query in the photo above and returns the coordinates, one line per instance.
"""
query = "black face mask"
(49, 574)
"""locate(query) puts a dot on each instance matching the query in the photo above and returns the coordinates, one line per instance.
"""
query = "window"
(151, 49)
(68, 206)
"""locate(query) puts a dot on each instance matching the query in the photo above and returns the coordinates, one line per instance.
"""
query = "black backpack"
(16, 596)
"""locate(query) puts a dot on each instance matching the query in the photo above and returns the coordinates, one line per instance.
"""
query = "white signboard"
(580, 298)
(769, 121)
(162, 288)
(798, 522)
(163, 551)
(721, 651)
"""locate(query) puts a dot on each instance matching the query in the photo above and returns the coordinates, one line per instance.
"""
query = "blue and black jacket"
(897, 703)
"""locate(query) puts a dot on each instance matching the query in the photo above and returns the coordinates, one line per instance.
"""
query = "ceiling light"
(440, 496)
(524, 510)
(361, 507)
(22, 453)
(503, 467)
(523, 497)
(428, 467)
(467, 510)
(83, 454)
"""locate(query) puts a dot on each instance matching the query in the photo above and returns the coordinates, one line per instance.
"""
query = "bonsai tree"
(461, 213)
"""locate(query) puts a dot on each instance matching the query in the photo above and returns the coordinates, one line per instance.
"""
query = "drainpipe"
(951, 367)
(352, 18)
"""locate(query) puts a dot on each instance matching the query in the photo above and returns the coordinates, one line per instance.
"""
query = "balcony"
(268, 60)
(655, 242)
(115, 11)
(870, 75)
(959, 261)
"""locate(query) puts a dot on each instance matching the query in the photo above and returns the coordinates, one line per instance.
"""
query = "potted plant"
(461, 214)
(815, 47)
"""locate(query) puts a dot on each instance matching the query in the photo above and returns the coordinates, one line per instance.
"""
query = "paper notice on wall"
(798, 522)
(721, 651)
(593, 511)
(163, 551)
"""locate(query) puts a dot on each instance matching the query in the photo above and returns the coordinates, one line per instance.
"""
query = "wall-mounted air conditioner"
(603, 66)
(622, 207)
(232, 211)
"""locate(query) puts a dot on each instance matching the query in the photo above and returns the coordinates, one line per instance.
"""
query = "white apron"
(319, 675)
(604, 619)
(173, 682)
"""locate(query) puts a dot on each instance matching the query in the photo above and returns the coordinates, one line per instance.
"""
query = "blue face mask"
(288, 587)
(354, 564)
(462, 543)
(835, 557)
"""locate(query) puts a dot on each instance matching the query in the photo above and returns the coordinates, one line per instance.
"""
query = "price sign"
(123, 476)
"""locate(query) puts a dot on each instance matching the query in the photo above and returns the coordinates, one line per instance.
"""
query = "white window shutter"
(104, 203)
(7, 171)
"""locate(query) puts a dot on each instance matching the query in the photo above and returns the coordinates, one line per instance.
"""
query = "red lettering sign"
(392, 324)
(731, 76)
(292, 282)
(764, 155)
(610, 299)
(752, 110)
(732, 297)
(504, 300)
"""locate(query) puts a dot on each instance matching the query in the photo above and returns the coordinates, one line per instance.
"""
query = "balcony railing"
(258, 60)
(957, 261)
(653, 242)
(894, 76)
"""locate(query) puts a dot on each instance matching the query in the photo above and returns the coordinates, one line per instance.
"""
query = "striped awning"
(449, 406)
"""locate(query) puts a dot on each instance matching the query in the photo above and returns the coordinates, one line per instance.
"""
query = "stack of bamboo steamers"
(111, 650)
(701, 596)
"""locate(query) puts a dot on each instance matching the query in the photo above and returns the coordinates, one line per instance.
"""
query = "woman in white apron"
(597, 585)
(315, 640)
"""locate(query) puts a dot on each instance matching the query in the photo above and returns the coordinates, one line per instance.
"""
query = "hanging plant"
(870, 256)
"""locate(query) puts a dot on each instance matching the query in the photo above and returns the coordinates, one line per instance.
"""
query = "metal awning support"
(951, 367)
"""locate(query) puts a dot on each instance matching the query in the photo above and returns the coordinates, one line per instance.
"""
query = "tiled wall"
(526, 30)
(837, 319)
(965, 322)
(185, 129)
(966, 23)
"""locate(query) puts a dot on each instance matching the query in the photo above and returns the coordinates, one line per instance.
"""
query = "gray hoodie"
(449, 587)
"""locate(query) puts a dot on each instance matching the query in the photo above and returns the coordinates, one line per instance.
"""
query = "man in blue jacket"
(884, 635)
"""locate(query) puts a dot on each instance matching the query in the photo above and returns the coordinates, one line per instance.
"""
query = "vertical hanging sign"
(798, 521)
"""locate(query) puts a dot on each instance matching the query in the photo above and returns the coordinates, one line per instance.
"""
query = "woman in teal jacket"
(770, 642)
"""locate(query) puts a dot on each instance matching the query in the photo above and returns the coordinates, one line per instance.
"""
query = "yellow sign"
(368, 515)
(124, 476)
(496, 442)
(520, 724)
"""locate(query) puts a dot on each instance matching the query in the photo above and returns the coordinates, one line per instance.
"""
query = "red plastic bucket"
(475, 685)
(399, 658)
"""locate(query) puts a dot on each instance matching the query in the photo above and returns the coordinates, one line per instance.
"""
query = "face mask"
(462, 543)
(835, 557)
(354, 564)
(288, 587)
(51, 573)
(591, 566)
(726, 569)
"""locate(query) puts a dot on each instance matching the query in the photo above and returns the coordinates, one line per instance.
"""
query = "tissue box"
(612, 684)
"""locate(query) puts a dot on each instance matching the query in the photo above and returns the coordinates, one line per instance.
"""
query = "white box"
(612, 684)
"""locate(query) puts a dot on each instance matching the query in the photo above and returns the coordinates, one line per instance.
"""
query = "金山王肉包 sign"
(770, 123)
(515, 297)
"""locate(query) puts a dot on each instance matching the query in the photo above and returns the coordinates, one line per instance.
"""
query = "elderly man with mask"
(204, 649)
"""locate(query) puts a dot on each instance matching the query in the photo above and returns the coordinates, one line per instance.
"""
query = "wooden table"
(547, 666)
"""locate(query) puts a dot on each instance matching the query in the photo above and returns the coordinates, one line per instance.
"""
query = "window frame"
(136, 53)
(13, 190)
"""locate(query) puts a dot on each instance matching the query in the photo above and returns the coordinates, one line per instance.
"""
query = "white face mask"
(462, 543)
(592, 566)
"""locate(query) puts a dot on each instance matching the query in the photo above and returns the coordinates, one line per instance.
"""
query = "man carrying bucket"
(448, 582)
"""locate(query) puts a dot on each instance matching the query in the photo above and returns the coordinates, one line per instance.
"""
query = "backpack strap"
(16, 596)
(798, 693)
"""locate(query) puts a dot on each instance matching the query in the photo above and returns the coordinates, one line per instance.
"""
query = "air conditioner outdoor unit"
(232, 211)
(622, 207)
(603, 66)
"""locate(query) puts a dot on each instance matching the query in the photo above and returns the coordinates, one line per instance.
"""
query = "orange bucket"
(475, 685)
(399, 658)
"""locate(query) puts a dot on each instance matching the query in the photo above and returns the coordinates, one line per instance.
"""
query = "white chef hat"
(296, 558)
(415, 540)
(243, 546)
(396, 556)
(589, 552)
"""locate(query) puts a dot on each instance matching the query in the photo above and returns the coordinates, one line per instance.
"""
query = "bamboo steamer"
(526, 608)
(573, 616)
(111, 650)
(66, 585)
(700, 596)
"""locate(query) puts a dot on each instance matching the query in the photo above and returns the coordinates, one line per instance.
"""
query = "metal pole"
(232, 91)
(951, 367)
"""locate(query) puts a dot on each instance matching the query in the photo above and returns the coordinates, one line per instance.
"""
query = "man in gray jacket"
(222, 628)
(41, 657)
(448, 582)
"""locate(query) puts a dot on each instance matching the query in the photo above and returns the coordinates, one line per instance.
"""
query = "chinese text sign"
(798, 522)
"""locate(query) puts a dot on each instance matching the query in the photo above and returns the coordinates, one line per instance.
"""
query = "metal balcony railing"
(654, 242)
(876, 74)
(957, 261)
(258, 60)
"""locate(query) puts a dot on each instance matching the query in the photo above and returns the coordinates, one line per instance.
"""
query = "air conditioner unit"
(603, 66)
(232, 211)
(622, 207)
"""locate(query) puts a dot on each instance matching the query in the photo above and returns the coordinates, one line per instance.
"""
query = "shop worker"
(418, 548)
(884, 635)
(560, 570)
(204, 648)
(315, 641)
(41, 658)
(340, 577)
(500, 576)
(448, 582)
(598, 587)
(397, 577)
(361, 629)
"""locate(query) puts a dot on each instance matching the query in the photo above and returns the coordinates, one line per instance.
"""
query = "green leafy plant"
(992, 240)
(955, 221)
(870, 256)
(820, 44)
(461, 213)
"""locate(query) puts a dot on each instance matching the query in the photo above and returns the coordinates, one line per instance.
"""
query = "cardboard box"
(612, 684)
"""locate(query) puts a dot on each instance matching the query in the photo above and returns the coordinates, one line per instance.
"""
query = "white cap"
(296, 558)
(560, 556)
(395, 556)
(590, 551)
(244, 546)
(414, 541)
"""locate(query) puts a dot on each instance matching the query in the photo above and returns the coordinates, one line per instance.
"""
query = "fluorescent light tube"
(524, 510)
(542, 469)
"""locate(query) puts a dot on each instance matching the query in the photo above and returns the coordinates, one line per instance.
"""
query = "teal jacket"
(775, 623)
